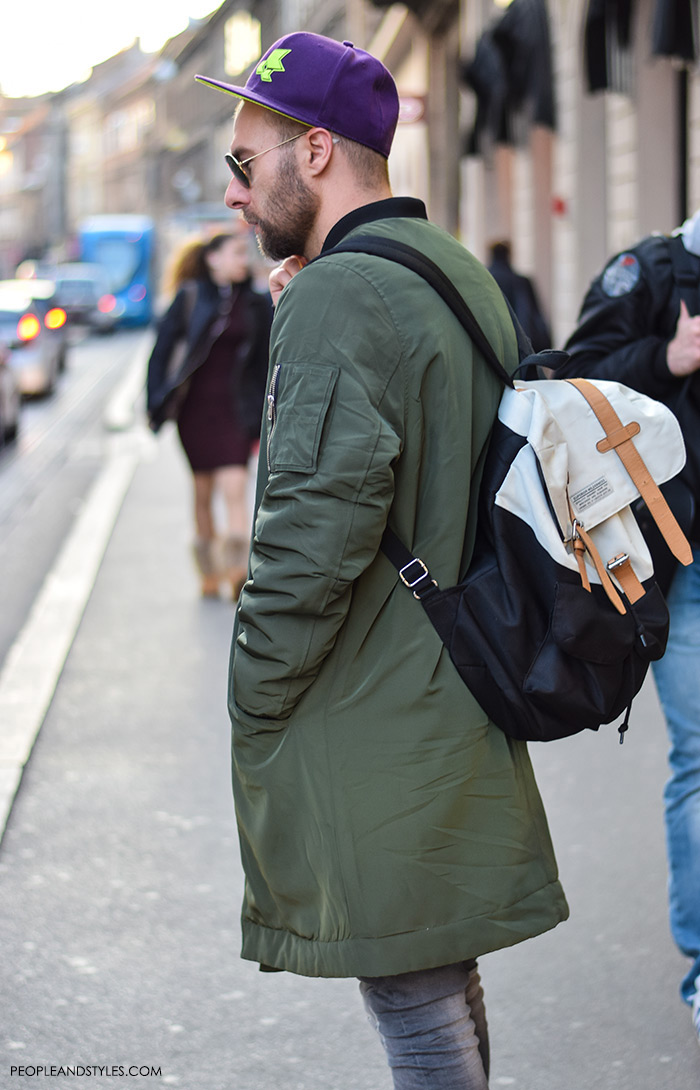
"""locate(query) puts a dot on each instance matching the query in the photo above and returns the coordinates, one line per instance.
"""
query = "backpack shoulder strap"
(413, 259)
(413, 572)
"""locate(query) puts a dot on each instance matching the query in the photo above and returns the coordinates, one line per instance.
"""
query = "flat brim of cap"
(228, 87)
(249, 96)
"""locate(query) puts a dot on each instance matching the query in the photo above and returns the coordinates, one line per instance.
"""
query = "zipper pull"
(272, 394)
(624, 726)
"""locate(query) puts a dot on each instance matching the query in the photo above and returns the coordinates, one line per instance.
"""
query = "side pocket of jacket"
(245, 723)
(297, 404)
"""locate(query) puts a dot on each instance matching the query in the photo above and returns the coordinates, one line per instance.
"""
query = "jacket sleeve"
(624, 338)
(333, 432)
(170, 329)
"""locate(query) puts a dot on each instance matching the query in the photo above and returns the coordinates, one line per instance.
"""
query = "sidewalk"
(119, 866)
(122, 884)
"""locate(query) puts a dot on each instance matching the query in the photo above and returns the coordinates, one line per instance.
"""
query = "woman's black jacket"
(186, 333)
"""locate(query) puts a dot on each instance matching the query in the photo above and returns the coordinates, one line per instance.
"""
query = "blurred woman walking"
(207, 371)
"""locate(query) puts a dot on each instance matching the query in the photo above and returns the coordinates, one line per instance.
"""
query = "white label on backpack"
(591, 494)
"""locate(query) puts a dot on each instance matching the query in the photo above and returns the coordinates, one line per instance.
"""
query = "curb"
(34, 663)
(120, 411)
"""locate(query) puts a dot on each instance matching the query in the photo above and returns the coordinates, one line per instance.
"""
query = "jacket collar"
(378, 210)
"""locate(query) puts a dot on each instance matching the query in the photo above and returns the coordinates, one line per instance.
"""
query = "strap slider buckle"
(407, 580)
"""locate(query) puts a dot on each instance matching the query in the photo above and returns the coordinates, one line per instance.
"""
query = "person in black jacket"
(640, 325)
(520, 293)
(207, 371)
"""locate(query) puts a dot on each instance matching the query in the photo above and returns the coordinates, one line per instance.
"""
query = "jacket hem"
(389, 955)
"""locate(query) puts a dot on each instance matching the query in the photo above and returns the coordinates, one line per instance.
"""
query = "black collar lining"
(390, 208)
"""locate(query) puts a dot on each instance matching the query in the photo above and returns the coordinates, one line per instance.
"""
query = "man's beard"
(292, 209)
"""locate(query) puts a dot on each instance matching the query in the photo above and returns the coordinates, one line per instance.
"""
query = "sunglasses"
(237, 166)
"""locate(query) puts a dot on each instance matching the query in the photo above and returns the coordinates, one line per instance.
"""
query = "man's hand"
(683, 352)
(280, 277)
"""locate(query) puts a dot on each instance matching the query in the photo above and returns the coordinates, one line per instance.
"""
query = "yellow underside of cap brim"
(245, 98)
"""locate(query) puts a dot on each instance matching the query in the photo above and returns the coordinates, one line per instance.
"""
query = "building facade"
(620, 158)
(570, 127)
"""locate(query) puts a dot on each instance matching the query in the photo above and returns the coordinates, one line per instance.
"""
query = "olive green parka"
(385, 824)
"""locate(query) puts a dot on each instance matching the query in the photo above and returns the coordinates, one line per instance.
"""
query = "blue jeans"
(432, 1024)
(677, 677)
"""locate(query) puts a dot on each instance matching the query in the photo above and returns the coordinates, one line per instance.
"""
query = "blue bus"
(123, 246)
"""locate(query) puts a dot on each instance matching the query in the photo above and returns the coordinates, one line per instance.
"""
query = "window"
(241, 42)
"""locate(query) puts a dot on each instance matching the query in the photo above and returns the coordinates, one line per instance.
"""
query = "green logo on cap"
(271, 64)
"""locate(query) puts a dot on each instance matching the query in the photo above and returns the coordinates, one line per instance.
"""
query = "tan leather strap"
(579, 547)
(619, 440)
(619, 565)
(606, 581)
(580, 555)
(627, 578)
(618, 437)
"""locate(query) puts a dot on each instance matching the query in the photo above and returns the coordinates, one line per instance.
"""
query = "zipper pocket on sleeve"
(272, 409)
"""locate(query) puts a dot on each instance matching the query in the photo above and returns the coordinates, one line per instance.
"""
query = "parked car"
(34, 329)
(10, 399)
(83, 292)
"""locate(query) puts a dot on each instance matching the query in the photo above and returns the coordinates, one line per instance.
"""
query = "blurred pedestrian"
(207, 371)
(636, 326)
(389, 831)
(520, 293)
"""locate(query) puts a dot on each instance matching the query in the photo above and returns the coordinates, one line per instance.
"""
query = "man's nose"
(237, 195)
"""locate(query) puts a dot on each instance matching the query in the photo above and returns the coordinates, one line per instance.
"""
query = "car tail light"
(106, 304)
(55, 318)
(28, 327)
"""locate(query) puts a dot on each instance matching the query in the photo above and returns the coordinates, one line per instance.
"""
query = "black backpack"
(555, 623)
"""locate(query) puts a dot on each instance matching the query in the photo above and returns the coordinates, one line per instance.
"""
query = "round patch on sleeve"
(621, 276)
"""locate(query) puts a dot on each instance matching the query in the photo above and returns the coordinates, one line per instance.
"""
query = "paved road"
(47, 472)
(121, 882)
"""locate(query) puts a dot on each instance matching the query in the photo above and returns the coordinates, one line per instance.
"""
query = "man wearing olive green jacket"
(388, 830)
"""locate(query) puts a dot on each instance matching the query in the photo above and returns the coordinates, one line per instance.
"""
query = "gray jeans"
(432, 1024)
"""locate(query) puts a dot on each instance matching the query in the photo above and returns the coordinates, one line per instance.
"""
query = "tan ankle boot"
(235, 563)
(203, 552)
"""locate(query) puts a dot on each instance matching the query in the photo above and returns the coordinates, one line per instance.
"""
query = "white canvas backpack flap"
(611, 449)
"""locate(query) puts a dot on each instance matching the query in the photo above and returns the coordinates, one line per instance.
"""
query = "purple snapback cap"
(320, 81)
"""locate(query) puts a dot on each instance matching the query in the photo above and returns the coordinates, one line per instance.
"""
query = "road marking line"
(34, 663)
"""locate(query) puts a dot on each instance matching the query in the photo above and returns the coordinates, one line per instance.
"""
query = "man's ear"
(319, 143)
